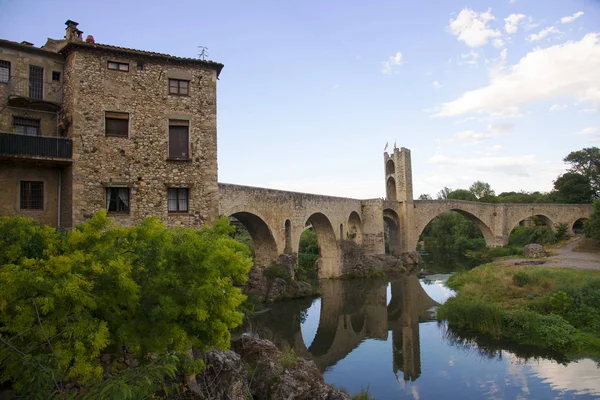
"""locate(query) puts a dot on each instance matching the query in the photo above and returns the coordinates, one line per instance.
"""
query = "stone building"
(87, 126)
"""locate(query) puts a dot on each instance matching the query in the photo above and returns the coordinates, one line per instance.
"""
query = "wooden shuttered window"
(179, 138)
(32, 195)
(116, 123)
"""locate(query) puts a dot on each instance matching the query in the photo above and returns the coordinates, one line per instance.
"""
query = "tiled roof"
(211, 64)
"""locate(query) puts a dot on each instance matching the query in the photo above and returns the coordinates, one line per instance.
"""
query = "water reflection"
(352, 311)
(382, 334)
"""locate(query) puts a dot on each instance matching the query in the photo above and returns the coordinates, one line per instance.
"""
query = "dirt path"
(566, 256)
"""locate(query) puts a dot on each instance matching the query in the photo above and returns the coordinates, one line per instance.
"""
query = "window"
(117, 200)
(26, 126)
(179, 138)
(116, 123)
(32, 195)
(4, 71)
(179, 87)
(55, 76)
(177, 199)
(140, 66)
(118, 66)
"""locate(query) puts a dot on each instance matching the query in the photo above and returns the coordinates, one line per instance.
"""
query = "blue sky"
(498, 91)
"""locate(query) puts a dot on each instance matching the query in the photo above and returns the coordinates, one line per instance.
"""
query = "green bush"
(522, 278)
(65, 299)
(562, 231)
(523, 235)
(277, 270)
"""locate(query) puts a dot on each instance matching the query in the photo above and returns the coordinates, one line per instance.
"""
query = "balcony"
(41, 96)
(35, 146)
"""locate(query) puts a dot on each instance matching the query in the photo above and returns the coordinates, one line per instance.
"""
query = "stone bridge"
(275, 219)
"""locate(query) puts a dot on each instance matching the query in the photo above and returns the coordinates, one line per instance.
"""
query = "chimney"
(72, 33)
(26, 43)
(90, 39)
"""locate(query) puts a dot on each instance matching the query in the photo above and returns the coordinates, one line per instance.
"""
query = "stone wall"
(11, 175)
(20, 59)
(139, 161)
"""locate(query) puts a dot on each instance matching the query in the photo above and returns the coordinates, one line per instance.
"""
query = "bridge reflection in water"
(351, 312)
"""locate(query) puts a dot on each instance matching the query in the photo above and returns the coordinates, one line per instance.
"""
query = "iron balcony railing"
(35, 89)
(39, 146)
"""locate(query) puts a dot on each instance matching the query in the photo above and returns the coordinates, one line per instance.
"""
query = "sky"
(311, 92)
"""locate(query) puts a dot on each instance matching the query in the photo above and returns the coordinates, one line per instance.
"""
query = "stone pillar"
(372, 215)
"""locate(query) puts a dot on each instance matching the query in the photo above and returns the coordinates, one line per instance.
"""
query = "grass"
(288, 357)
(554, 308)
(363, 394)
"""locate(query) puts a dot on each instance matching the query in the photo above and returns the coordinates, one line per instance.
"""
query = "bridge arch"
(265, 247)
(355, 228)
(485, 230)
(391, 221)
(514, 223)
(328, 247)
(577, 227)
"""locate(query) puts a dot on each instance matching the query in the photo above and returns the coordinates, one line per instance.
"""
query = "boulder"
(224, 376)
(534, 250)
(272, 380)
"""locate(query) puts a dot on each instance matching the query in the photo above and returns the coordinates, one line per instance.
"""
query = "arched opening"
(579, 226)
(449, 237)
(328, 247)
(355, 229)
(288, 236)
(393, 243)
(342, 232)
(308, 255)
(390, 189)
(263, 242)
(533, 229)
(390, 169)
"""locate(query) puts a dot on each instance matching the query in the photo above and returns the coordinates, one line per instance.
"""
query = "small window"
(177, 199)
(55, 76)
(4, 71)
(116, 124)
(117, 200)
(32, 195)
(140, 66)
(179, 138)
(26, 126)
(179, 87)
(118, 66)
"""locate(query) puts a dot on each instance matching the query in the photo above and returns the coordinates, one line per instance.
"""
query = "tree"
(594, 223)
(573, 188)
(461, 194)
(443, 194)
(481, 190)
(66, 299)
(587, 163)
(425, 197)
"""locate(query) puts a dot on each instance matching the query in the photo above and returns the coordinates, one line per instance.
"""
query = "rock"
(303, 289)
(289, 261)
(357, 264)
(271, 380)
(534, 250)
(224, 375)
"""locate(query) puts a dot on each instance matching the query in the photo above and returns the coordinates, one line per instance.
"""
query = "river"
(381, 334)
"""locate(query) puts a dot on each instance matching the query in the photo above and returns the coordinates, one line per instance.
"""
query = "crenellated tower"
(398, 175)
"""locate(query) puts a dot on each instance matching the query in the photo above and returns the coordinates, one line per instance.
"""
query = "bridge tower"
(398, 175)
(399, 197)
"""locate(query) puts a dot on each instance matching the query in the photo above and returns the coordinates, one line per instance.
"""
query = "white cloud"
(499, 128)
(588, 131)
(471, 27)
(435, 84)
(557, 107)
(512, 1)
(512, 22)
(393, 62)
(509, 165)
(470, 137)
(498, 43)
(470, 58)
(571, 18)
(569, 69)
(496, 147)
(534, 37)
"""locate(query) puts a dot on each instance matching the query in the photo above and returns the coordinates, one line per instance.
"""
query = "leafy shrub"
(276, 270)
(562, 230)
(523, 235)
(288, 357)
(522, 278)
(146, 289)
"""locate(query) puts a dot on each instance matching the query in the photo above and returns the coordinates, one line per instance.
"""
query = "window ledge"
(117, 214)
(179, 159)
(178, 212)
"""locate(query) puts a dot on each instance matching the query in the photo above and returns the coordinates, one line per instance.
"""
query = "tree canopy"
(587, 163)
(573, 188)
(65, 298)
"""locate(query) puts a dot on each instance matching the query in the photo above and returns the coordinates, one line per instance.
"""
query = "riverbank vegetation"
(104, 309)
(553, 308)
